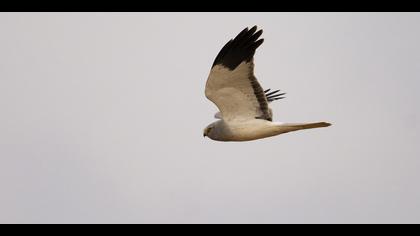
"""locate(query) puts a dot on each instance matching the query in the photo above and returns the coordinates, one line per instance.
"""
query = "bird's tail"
(288, 127)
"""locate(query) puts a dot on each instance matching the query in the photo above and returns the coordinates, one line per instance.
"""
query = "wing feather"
(232, 85)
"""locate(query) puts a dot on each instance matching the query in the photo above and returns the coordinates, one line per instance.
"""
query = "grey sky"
(102, 116)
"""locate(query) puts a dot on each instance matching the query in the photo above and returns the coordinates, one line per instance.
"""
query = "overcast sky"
(102, 114)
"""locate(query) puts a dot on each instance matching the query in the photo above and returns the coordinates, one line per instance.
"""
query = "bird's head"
(208, 130)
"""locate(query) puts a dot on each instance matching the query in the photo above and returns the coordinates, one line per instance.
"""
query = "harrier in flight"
(243, 104)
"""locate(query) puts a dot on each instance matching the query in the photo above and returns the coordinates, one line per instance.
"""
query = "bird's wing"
(270, 96)
(232, 85)
(274, 95)
(218, 115)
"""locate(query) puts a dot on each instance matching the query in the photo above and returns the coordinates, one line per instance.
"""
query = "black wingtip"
(275, 91)
(241, 48)
(274, 95)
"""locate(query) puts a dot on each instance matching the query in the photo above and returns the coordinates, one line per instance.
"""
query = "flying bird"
(244, 113)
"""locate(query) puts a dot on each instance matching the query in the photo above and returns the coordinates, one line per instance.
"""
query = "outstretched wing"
(270, 96)
(232, 85)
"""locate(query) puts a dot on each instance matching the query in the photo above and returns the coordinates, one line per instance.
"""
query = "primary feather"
(232, 85)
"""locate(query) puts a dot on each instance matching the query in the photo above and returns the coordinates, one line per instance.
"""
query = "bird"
(244, 113)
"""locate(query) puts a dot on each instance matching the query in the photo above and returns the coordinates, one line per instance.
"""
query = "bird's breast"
(250, 130)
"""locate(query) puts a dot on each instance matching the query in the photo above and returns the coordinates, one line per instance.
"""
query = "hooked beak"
(204, 135)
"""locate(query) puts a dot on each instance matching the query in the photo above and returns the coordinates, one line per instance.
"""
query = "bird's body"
(243, 130)
(253, 129)
(244, 112)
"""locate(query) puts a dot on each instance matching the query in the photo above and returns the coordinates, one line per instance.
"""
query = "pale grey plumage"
(243, 104)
